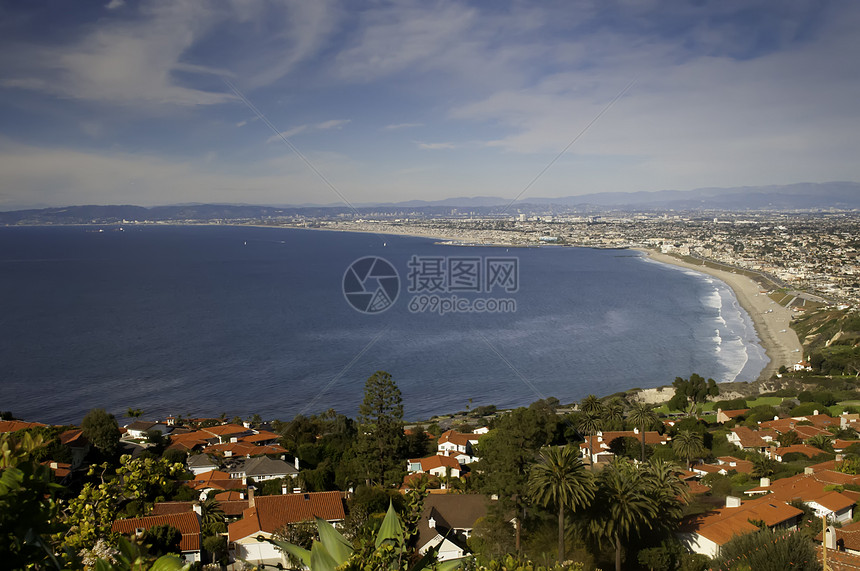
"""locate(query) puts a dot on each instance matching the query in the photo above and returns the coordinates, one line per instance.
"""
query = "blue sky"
(129, 102)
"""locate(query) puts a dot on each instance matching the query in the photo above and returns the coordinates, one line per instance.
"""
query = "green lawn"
(772, 401)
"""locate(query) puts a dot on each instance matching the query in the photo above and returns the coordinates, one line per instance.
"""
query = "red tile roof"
(438, 461)
(806, 450)
(74, 438)
(810, 488)
(187, 523)
(271, 512)
(721, 525)
(169, 508)
(457, 438)
(15, 425)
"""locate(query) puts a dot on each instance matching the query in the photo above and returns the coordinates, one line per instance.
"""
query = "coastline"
(771, 320)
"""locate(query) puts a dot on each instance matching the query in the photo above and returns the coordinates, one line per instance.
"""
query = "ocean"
(205, 320)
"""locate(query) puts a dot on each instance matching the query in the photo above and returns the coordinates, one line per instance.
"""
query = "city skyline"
(142, 102)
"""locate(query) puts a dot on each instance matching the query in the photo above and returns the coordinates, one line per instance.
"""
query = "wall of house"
(699, 544)
(255, 551)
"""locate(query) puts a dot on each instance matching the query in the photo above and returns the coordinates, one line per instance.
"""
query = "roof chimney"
(297, 462)
(764, 482)
(840, 457)
(251, 503)
(197, 508)
(808, 470)
(431, 523)
(776, 418)
(733, 502)
(830, 537)
(284, 489)
(815, 412)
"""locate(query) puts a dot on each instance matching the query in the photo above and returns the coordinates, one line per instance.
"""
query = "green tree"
(688, 445)
(590, 423)
(381, 441)
(692, 391)
(559, 478)
(766, 550)
(102, 430)
(134, 487)
(591, 405)
(763, 466)
(134, 412)
(506, 454)
(162, 539)
(788, 438)
(28, 509)
(622, 507)
(642, 416)
(388, 551)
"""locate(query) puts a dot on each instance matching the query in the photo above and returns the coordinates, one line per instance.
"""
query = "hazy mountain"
(802, 196)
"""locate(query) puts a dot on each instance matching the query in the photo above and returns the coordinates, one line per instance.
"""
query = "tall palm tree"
(642, 416)
(590, 423)
(591, 405)
(614, 414)
(559, 478)
(668, 492)
(622, 507)
(688, 445)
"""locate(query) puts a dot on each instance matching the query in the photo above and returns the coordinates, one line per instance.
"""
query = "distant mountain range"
(802, 196)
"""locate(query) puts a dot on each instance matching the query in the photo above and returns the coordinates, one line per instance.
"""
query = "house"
(200, 464)
(447, 521)
(215, 480)
(241, 448)
(751, 440)
(227, 432)
(266, 514)
(77, 444)
(262, 468)
(457, 445)
(139, 428)
(188, 524)
(845, 539)
(816, 490)
(809, 451)
(261, 438)
(731, 463)
(16, 425)
(602, 441)
(706, 533)
(438, 465)
(724, 416)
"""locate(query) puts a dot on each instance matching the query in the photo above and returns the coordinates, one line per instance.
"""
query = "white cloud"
(333, 124)
(323, 126)
(114, 4)
(435, 146)
(124, 62)
(398, 126)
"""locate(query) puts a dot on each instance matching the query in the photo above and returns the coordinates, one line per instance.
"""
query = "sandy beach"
(770, 319)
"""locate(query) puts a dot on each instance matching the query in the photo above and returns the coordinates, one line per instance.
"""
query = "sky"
(319, 101)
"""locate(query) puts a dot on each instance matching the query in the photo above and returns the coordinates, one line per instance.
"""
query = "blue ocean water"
(200, 320)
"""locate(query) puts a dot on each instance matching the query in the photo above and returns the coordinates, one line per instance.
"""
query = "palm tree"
(614, 414)
(668, 492)
(622, 507)
(559, 478)
(591, 405)
(211, 511)
(688, 445)
(590, 423)
(642, 416)
(763, 466)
